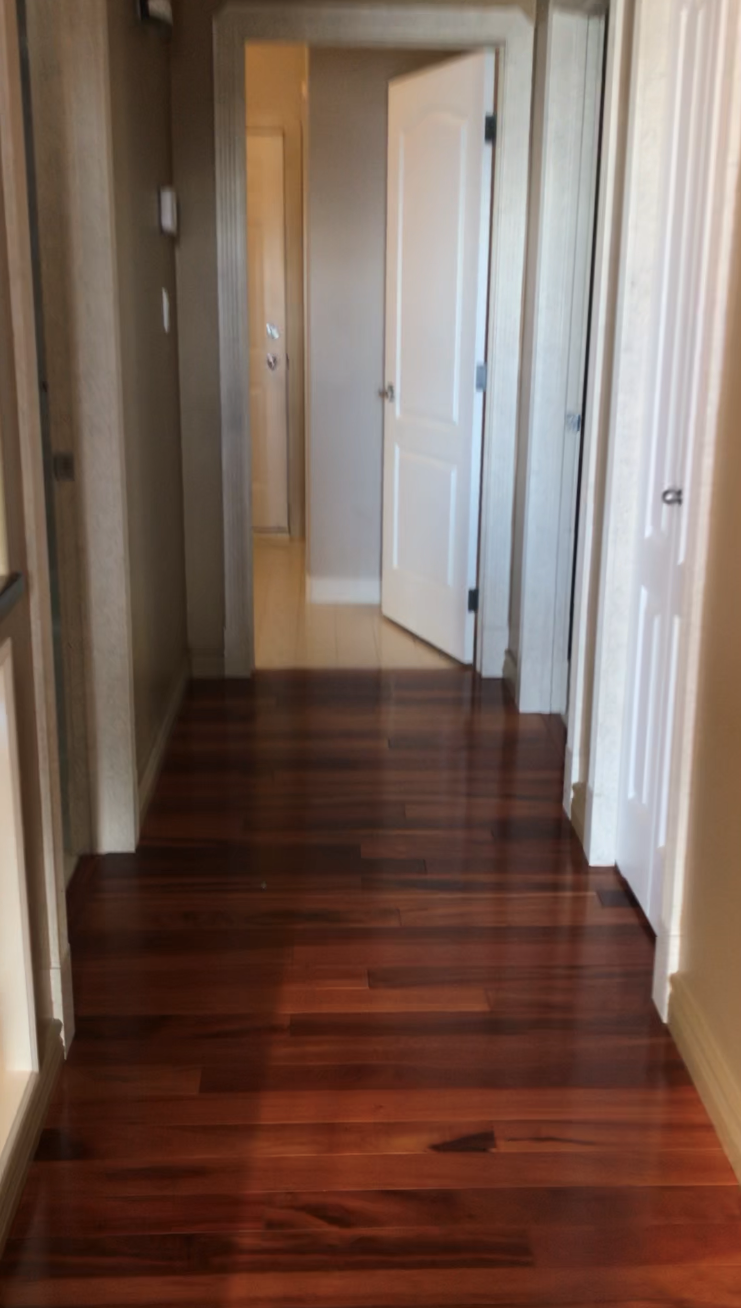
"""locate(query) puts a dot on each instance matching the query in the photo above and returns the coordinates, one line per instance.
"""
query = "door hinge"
(573, 422)
(480, 376)
(473, 600)
(490, 129)
(63, 466)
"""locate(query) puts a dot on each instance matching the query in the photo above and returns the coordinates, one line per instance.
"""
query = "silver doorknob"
(272, 361)
(388, 393)
(672, 495)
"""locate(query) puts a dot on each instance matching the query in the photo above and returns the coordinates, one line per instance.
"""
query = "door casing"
(510, 32)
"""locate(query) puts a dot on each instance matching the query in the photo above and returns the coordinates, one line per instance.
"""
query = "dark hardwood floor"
(357, 1026)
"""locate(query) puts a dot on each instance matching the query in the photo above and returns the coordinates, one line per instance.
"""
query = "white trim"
(716, 1084)
(510, 31)
(343, 590)
(151, 772)
(13, 181)
(29, 1124)
(599, 387)
(568, 71)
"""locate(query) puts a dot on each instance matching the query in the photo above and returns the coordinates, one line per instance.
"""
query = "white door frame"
(567, 91)
(615, 429)
(506, 29)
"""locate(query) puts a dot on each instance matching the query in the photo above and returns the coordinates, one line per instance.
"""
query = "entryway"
(392, 348)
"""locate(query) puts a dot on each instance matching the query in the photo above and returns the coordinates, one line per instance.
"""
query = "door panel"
(679, 333)
(267, 326)
(438, 220)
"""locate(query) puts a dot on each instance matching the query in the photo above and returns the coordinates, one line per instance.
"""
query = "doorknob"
(672, 495)
(272, 361)
(388, 393)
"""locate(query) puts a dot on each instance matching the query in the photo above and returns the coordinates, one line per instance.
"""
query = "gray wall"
(194, 161)
(348, 104)
(142, 162)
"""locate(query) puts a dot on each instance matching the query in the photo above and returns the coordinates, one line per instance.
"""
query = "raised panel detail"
(428, 343)
(425, 494)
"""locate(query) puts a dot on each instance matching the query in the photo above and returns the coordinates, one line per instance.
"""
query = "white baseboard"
(152, 770)
(29, 1124)
(343, 590)
(719, 1090)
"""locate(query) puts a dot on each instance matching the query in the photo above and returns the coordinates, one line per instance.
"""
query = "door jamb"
(510, 32)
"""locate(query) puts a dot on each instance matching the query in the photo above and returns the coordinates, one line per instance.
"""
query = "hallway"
(358, 1026)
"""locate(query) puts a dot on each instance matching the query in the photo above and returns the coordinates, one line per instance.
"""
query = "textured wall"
(142, 161)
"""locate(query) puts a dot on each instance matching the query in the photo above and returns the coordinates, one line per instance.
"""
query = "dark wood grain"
(357, 1026)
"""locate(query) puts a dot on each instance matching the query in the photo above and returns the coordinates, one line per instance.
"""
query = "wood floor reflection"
(357, 1026)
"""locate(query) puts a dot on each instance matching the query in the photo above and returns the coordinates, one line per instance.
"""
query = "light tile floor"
(289, 633)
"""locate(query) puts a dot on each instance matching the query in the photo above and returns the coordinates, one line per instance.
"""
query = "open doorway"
(395, 210)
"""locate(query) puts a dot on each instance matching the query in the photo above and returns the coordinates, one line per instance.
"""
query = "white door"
(437, 252)
(266, 258)
(668, 453)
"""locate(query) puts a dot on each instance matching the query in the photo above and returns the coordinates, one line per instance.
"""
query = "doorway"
(321, 603)
(449, 30)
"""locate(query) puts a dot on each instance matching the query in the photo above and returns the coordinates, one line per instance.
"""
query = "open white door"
(267, 317)
(437, 252)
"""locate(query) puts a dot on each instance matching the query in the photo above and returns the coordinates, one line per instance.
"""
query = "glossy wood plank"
(358, 1026)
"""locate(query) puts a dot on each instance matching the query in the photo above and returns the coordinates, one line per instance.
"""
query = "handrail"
(11, 591)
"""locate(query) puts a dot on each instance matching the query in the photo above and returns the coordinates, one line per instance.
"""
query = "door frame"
(35, 688)
(567, 90)
(509, 31)
(638, 108)
(278, 130)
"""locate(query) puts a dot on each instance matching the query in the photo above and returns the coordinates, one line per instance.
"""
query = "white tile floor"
(289, 633)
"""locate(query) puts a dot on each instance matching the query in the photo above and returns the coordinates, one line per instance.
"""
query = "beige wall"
(710, 968)
(194, 161)
(139, 60)
(102, 132)
(276, 78)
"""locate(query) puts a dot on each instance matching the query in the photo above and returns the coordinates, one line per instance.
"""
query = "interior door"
(668, 455)
(437, 253)
(266, 266)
